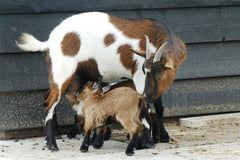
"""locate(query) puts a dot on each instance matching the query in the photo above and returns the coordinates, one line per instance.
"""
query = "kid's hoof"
(52, 146)
(129, 152)
(149, 146)
(84, 149)
(97, 145)
(71, 135)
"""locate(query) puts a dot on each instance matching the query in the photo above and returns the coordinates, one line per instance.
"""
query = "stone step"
(212, 120)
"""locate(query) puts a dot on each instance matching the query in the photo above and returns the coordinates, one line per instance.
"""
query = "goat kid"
(99, 135)
(123, 104)
(102, 134)
(108, 40)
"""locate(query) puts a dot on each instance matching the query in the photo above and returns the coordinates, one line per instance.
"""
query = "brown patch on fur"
(126, 57)
(86, 71)
(53, 97)
(156, 31)
(70, 44)
(109, 39)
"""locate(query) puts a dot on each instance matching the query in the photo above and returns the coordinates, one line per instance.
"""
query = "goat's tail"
(27, 42)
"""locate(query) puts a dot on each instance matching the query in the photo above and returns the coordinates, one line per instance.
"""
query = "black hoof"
(165, 138)
(129, 151)
(156, 139)
(52, 146)
(71, 135)
(84, 148)
(97, 145)
(149, 146)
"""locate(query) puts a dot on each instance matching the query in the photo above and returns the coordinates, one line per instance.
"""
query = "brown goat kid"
(101, 134)
(124, 104)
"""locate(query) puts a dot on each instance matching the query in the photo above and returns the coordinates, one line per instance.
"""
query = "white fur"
(29, 43)
(78, 108)
(51, 111)
(146, 124)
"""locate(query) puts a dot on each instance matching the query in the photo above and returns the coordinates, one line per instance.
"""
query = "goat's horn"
(148, 53)
(159, 52)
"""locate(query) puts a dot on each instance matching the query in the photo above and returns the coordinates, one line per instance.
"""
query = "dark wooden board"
(21, 110)
(27, 71)
(39, 6)
(192, 25)
(202, 96)
(210, 60)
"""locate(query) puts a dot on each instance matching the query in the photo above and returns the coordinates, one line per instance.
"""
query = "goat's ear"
(106, 88)
(139, 52)
(169, 64)
(95, 86)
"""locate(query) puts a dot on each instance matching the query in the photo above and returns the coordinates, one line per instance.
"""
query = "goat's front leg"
(86, 141)
(132, 144)
(97, 138)
(159, 131)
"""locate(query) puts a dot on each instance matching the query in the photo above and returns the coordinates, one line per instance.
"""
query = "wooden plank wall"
(207, 82)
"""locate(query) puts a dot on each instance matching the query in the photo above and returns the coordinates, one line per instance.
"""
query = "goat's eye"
(143, 68)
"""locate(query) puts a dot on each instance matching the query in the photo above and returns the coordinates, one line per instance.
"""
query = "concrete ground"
(215, 142)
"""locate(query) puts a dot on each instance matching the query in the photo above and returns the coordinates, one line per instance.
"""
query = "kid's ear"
(95, 86)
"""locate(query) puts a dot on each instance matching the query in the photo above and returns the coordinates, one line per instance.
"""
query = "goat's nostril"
(147, 97)
(144, 95)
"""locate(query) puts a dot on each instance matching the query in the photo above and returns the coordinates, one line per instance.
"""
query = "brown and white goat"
(123, 104)
(108, 41)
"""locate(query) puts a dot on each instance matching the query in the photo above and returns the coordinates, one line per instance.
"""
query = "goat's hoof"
(165, 138)
(129, 152)
(52, 146)
(84, 148)
(71, 135)
(97, 145)
(149, 146)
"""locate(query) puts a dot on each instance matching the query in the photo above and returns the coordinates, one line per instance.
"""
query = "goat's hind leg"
(49, 130)
(56, 131)
(50, 120)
